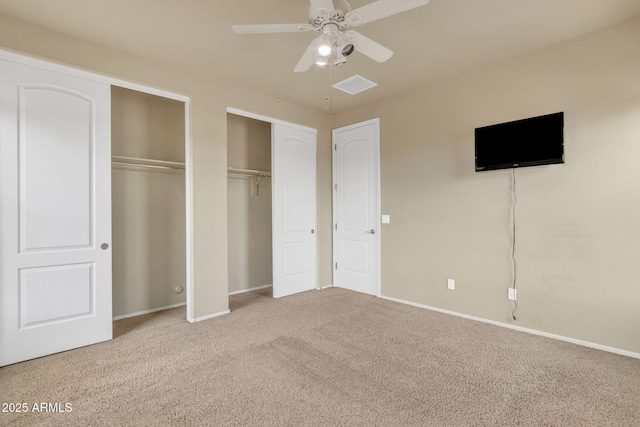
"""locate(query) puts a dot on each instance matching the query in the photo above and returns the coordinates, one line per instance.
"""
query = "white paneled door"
(356, 207)
(55, 212)
(294, 210)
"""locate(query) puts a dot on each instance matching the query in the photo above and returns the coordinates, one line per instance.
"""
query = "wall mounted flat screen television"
(529, 142)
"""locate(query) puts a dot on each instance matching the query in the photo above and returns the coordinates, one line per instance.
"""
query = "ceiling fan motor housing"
(320, 16)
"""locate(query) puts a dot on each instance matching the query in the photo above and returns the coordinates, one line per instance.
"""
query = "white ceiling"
(444, 38)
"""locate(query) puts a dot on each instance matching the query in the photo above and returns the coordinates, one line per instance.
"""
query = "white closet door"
(294, 210)
(55, 216)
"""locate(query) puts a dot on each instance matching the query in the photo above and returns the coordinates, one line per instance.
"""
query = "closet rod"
(146, 163)
(250, 172)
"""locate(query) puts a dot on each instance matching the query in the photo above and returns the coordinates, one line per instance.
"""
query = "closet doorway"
(249, 204)
(148, 202)
(271, 205)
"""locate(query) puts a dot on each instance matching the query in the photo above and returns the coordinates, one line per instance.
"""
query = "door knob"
(104, 246)
(371, 232)
(313, 231)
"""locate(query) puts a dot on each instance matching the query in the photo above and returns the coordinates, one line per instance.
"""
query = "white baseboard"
(257, 288)
(211, 316)
(153, 310)
(520, 328)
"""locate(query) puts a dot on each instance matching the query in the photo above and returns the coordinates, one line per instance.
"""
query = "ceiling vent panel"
(355, 84)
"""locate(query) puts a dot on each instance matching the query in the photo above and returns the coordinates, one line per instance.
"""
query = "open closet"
(148, 202)
(74, 145)
(249, 204)
(271, 203)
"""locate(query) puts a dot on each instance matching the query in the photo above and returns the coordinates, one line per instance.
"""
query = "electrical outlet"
(512, 294)
(451, 284)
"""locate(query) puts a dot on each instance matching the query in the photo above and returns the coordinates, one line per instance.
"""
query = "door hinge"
(335, 147)
(336, 265)
(336, 226)
(335, 186)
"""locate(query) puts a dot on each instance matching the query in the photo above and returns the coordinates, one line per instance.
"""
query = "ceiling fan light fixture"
(347, 49)
(340, 60)
(322, 60)
(325, 45)
(324, 50)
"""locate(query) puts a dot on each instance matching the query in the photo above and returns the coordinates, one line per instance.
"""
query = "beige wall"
(146, 126)
(578, 239)
(148, 205)
(249, 215)
(209, 101)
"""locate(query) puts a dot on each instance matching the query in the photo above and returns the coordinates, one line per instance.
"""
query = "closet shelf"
(248, 172)
(146, 163)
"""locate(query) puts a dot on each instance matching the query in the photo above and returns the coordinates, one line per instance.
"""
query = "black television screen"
(528, 142)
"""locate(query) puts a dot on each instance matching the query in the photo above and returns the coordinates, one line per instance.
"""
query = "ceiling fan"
(332, 18)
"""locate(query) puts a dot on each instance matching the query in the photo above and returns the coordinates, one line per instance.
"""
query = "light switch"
(386, 219)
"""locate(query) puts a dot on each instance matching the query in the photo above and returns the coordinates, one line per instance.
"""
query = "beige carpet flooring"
(325, 358)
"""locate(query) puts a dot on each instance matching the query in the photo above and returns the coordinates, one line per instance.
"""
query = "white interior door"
(356, 207)
(294, 209)
(55, 215)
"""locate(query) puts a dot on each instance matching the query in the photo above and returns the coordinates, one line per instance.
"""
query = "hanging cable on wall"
(513, 240)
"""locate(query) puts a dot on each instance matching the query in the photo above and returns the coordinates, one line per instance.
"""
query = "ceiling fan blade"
(368, 47)
(322, 4)
(381, 9)
(271, 28)
(308, 57)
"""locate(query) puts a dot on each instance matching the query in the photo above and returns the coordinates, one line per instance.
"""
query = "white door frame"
(243, 113)
(377, 236)
(239, 112)
(190, 295)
